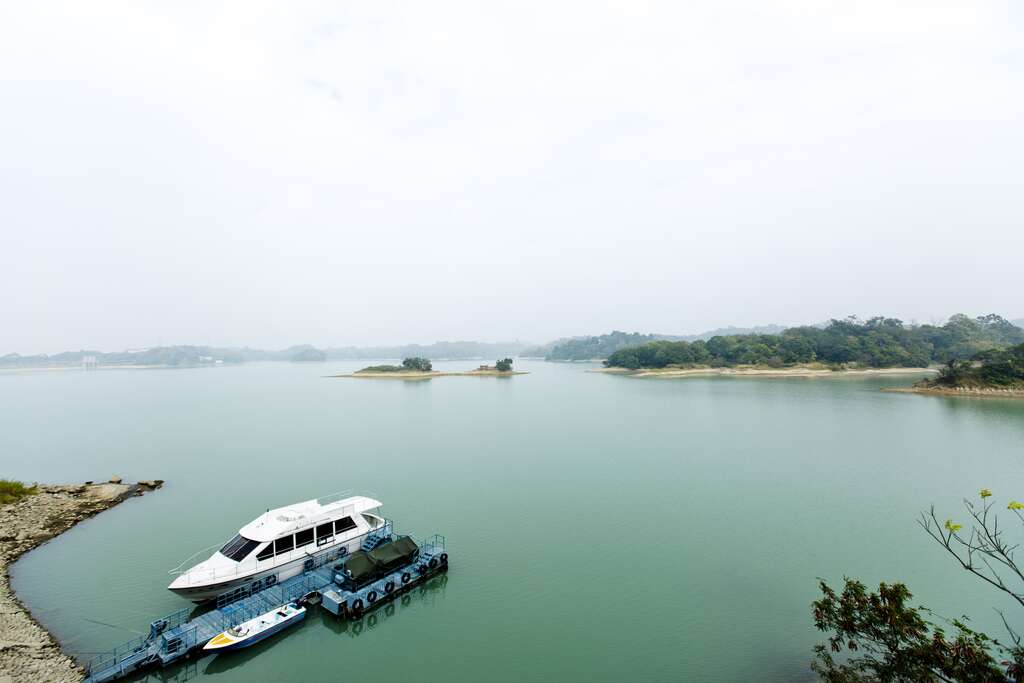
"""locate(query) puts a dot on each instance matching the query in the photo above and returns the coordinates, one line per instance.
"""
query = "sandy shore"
(28, 653)
(799, 371)
(971, 392)
(415, 375)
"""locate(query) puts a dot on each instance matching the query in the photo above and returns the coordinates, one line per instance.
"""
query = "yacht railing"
(190, 560)
(335, 497)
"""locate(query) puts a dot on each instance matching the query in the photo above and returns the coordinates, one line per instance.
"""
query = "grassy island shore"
(421, 368)
(31, 516)
(808, 371)
(419, 375)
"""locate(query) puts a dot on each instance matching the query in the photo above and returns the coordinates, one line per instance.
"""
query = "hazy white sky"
(334, 173)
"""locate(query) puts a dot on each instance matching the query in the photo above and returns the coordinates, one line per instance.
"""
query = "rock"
(151, 484)
(115, 479)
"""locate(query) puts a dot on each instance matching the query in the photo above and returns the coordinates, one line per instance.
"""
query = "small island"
(417, 368)
(996, 373)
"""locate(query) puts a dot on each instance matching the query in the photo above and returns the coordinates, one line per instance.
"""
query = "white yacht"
(275, 546)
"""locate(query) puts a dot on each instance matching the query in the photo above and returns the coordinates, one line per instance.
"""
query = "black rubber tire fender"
(371, 597)
(406, 578)
(357, 605)
(389, 586)
(444, 558)
(433, 563)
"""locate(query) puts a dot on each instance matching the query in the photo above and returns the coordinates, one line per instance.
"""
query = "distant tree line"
(601, 346)
(604, 345)
(878, 342)
(187, 355)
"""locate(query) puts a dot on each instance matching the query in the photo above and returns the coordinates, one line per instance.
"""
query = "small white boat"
(253, 631)
(275, 545)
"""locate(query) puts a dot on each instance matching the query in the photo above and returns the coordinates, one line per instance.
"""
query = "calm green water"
(600, 527)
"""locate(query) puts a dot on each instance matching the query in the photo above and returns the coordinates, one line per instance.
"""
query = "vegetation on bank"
(408, 365)
(877, 343)
(601, 346)
(1002, 368)
(879, 636)
(503, 365)
(604, 345)
(12, 491)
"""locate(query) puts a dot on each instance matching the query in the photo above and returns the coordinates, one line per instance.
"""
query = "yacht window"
(238, 548)
(324, 533)
(343, 524)
(283, 545)
(304, 537)
(267, 552)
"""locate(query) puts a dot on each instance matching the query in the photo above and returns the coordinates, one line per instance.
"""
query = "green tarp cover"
(400, 551)
(360, 566)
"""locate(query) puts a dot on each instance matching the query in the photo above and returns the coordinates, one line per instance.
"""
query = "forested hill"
(603, 345)
(878, 342)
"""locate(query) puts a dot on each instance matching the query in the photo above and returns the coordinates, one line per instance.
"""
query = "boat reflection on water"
(426, 595)
(178, 673)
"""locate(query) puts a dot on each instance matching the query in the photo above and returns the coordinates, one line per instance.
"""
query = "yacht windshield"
(238, 548)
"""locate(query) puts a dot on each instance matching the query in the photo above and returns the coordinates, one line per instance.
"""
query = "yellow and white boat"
(253, 631)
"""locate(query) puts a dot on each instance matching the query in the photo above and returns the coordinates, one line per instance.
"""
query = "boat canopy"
(402, 550)
(363, 566)
(360, 567)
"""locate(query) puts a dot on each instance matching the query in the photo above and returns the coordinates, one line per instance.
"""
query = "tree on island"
(417, 363)
(503, 365)
(885, 639)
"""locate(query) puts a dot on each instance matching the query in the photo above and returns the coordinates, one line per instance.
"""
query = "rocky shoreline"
(27, 651)
(973, 392)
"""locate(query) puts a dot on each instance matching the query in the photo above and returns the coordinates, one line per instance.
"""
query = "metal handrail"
(178, 571)
(334, 497)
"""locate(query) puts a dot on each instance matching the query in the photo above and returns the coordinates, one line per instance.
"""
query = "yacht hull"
(204, 593)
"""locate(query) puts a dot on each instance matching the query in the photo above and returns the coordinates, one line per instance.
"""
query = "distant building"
(89, 363)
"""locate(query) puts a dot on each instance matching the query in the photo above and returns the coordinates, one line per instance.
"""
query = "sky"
(338, 173)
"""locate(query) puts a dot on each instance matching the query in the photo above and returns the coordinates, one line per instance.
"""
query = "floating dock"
(175, 636)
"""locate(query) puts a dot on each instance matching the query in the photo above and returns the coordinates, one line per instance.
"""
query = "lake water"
(600, 527)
